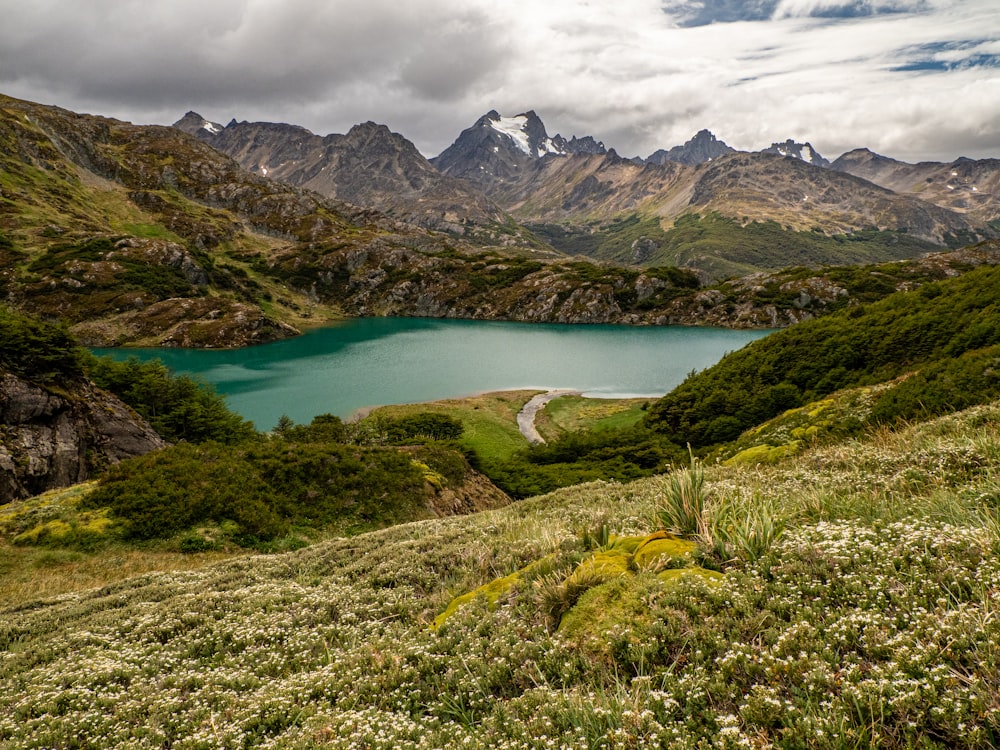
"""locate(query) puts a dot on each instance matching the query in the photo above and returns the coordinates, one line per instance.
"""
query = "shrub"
(259, 492)
(37, 351)
(165, 492)
(904, 332)
(684, 503)
(178, 407)
(423, 426)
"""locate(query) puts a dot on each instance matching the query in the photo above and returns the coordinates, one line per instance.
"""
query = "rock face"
(60, 435)
(703, 147)
(476, 493)
(968, 186)
(803, 151)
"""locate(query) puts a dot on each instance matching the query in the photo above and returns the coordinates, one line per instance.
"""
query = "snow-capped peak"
(514, 128)
(211, 127)
(524, 131)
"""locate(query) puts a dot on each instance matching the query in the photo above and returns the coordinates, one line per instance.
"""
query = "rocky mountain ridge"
(498, 148)
(368, 166)
(554, 187)
(703, 147)
(965, 185)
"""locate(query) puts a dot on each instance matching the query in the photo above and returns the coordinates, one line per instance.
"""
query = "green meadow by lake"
(372, 361)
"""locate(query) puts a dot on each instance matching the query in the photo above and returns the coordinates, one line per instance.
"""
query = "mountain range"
(575, 193)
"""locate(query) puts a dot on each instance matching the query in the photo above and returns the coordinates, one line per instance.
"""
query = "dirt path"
(526, 417)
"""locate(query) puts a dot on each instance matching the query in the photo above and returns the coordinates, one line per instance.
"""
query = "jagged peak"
(370, 126)
(702, 147)
(804, 151)
(193, 123)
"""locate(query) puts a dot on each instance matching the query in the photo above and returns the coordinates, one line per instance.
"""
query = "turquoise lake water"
(373, 361)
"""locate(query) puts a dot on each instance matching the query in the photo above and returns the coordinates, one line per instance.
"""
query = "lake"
(365, 362)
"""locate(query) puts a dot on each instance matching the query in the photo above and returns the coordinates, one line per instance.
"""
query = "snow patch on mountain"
(517, 129)
(513, 127)
(802, 151)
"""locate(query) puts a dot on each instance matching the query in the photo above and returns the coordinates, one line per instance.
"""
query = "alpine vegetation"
(856, 608)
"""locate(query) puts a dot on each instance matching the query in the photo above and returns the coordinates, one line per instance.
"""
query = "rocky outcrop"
(476, 493)
(192, 323)
(53, 436)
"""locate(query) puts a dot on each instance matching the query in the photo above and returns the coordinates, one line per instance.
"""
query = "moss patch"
(613, 606)
(764, 454)
(662, 547)
(625, 558)
(492, 592)
(618, 611)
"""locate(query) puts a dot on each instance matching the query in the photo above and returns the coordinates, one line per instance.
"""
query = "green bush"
(942, 387)
(324, 428)
(35, 350)
(162, 493)
(265, 489)
(423, 426)
(578, 457)
(905, 332)
(177, 406)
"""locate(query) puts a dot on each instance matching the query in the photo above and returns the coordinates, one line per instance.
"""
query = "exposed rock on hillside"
(474, 494)
(53, 436)
(803, 151)
(968, 186)
(795, 193)
(203, 322)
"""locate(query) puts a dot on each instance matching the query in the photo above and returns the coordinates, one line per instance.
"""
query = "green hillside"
(830, 581)
(722, 246)
(946, 331)
(856, 607)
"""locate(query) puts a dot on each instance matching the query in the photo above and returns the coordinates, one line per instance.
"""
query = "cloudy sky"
(912, 79)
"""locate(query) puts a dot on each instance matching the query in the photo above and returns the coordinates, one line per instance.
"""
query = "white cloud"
(912, 78)
(846, 8)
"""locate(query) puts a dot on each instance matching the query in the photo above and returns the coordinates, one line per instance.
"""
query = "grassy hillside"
(947, 331)
(856, 607)
(720, 246)
(489, 420)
